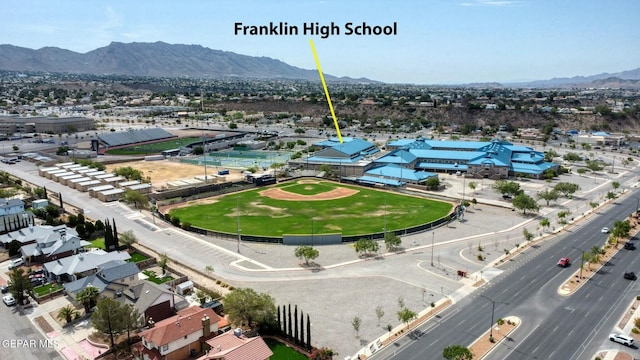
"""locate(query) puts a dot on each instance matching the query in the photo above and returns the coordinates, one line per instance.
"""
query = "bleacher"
(134, 137)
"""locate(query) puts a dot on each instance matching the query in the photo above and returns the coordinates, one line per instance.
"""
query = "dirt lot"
(163, 171)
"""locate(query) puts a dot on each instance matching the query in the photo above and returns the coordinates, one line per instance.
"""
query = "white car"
(605, 230)
(9, 300)
(621, 339)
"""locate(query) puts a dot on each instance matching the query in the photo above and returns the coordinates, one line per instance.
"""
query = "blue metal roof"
(441, 166)
(400, 172)
(376, 180)
(399, 156)
(349, 146)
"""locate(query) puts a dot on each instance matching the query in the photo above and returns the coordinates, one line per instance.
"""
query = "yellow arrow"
(326, 91)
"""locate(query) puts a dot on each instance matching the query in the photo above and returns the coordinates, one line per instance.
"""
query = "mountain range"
(157, 59)
(160, 59)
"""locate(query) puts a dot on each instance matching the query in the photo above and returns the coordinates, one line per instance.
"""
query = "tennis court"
(241, 158)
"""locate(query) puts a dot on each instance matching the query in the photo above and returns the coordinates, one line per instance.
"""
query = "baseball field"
(311, 206)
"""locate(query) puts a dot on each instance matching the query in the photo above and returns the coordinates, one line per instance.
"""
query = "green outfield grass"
(154, 148)
(362, 213)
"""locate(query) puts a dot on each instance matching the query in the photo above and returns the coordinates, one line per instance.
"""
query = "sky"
(437, 41)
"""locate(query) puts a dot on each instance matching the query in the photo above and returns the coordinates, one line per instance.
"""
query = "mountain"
(623, 78)
(157, 59)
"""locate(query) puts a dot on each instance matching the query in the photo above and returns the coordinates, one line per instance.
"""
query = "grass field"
(282, 351)
(154, 148)
(362, 213)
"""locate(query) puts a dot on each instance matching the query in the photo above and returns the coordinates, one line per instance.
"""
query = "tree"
(307, 253)
(164, 260)
(457, 352)
(572, 157)
(128, 238)
(566, 188)
(525, 202)
(594, 165)
(392, 241)
(19, 284)
(621, 229)
(245, 306)
(356, 322)
(548, 195)
(132, 320)
(472, 186)
(528, 235)
(136, 198)
(545, 223)
(406, 316)
(615, 185)
(198, 150)
(87, 297)
(433, 183)
(109, 318)
(366, 246)
(67, 313)
(379, 313)
(507, 187)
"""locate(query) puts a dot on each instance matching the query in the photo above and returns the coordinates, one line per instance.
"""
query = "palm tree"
(88, 297)
(67, 313)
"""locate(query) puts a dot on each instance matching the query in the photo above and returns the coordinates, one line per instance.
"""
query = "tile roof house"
(73, 267)
(233, 345)
(179, 336)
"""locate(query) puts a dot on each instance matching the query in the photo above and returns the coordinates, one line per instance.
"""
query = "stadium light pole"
(238, 221)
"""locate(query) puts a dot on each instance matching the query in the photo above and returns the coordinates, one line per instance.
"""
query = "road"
(20, 340)
(528, 289)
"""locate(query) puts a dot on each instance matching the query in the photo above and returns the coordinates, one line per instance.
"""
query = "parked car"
(564, 262)
(37, 281)
(605, 230)
(629, 246)
(4, 289)
(630, 275)
(15, 263)
(9, 300)
(621, 339)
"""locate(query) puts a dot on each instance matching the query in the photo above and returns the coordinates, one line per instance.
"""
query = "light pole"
(493, 311)
(238, 221)
(581, 261)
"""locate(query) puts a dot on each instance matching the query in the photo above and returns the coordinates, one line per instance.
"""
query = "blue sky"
(438, 42)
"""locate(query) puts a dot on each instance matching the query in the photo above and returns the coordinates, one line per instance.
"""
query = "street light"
(493, 310)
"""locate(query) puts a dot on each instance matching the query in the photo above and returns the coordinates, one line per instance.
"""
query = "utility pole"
(493, 310)
(433, 235)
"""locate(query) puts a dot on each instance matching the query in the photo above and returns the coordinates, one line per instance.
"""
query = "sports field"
(154, 148)
(311, 206)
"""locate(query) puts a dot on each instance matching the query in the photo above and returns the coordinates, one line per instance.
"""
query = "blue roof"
(349, 146)
(399, 156)
(600, 133)
(376, 180)
(441, 166)
(400, 172)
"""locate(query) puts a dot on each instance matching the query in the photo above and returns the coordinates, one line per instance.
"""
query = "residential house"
(152, 301)
(235, 346)
(83, 264)
(180, 336)
(54, 245)
(12, 215)
(111, 278)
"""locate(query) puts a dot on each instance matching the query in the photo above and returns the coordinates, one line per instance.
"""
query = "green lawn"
(137, 257)
(97, 243)
(46, 289)
(154, 148)
(282, 351)
(153, 277)
(362, 213)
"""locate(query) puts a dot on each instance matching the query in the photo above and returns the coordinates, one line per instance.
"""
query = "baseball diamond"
(311, 206)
